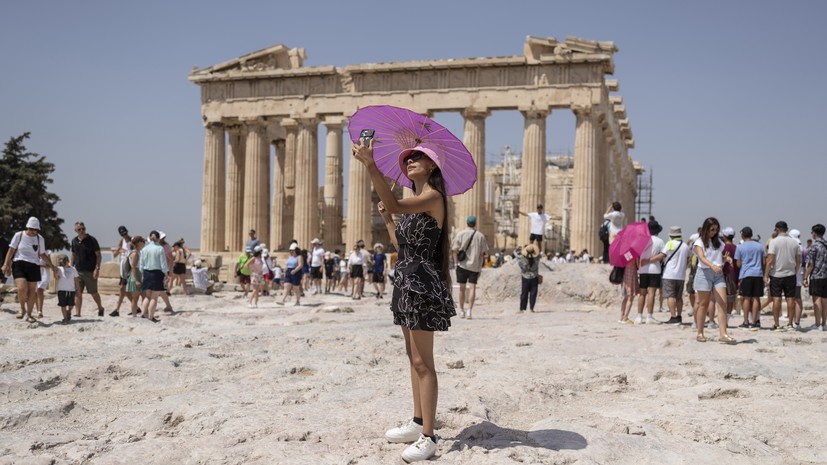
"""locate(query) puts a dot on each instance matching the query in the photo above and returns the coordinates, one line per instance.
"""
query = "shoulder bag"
(461, 255)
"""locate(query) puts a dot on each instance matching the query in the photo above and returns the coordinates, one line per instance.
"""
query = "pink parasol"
(398, 129)
(629, 243)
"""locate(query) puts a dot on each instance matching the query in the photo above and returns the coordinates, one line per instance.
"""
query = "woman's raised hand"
(362, 152)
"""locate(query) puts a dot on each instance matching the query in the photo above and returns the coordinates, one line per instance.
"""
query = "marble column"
(234, 233)
(472, 202)
(359, 206)
(533, 172)
(333, 183)
(291, 130)
(585, 209)
(257, 180)
(307, 182)
(278, 241)
(213, 195)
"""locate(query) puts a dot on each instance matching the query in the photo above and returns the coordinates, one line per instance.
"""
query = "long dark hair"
(708, 224)
(437, 182)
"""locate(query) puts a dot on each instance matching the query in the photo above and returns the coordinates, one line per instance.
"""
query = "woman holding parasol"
(416, 152)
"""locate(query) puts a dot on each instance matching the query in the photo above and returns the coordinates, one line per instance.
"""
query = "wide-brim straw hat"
(529, 249)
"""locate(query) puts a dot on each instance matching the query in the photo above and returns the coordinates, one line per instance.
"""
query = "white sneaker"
(651, 321)
(712, 325)
(469, 314)
(694, 325)
(462, 314)
(824, 327)
(423, 449)
(638, 320)
(689, 312)
(409, 432)
(783, 319)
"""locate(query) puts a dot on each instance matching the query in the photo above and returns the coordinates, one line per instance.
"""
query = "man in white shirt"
(649, 275)
(316, 262)
(675, 257)
(538, 226)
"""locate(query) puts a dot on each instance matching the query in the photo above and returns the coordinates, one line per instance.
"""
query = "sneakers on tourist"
(661, 310)
(689, 312)
(789, 327)
(423, 449)
(675, 320)
(462, 313)
(469, 313)
(629, 322)
(638, 320)
(694, 325)
(777, 328)
(797, 326)
(409, 432)
(754, 326)
(115, 313)
(712, 325)
(824, 327)
(744, 326)
(100, 312)
(651, 321)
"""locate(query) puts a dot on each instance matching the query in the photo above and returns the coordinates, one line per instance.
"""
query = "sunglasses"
(416, 156)
(32, 229)
(80, 229)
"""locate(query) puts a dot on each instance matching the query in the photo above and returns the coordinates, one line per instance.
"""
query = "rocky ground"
(219, 383)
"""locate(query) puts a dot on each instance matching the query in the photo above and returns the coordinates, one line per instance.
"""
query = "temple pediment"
(277, 57)
(573, 49)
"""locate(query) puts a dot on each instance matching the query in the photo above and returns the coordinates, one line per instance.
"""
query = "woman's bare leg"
(422, 362)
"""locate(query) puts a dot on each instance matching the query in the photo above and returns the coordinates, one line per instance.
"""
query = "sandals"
(19, 315)
(727, 339)
(30, 319)
(700, 338)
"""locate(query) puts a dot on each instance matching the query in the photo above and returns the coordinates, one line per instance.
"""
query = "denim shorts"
(706, 279)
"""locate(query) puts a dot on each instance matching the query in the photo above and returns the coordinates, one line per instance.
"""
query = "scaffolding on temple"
(645, 188)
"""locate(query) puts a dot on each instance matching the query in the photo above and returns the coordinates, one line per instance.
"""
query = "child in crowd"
(277, 273)
(67, 278)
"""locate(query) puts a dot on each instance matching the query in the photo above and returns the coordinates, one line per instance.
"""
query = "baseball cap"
(794, 233)
(727, 232)
(122, 230)
(471, 219)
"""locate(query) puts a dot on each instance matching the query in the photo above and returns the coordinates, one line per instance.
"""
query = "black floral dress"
(420, 298)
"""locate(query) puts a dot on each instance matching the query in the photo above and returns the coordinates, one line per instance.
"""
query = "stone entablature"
(271, 96)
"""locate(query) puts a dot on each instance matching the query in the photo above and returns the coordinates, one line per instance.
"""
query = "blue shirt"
(153, 258)
(379, 263)
(751, 254)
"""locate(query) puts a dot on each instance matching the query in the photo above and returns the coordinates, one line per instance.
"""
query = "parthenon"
(261, 112)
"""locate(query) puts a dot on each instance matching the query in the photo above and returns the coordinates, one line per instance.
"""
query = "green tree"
(23, 193)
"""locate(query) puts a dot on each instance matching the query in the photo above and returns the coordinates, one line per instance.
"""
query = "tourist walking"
(26, 250)
(783, 259)
(468, 247)
(421, 302)
(675, 257)
(67, 279)
(529, 270)
(86, 258)
(242, 273)
(179, 266)
(256, 267)
(42, 285)
(154, 267)
(293, 274)
(378, 269)
(170, 262)
(316, 262)
(120, 253)
(709, 280)
(815, 276)
(613, 219)
(749, 256)
(356, 264)
(650, 275)
(629, 290)
(134, 277)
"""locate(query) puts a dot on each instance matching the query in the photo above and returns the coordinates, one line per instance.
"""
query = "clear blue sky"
(726, 100)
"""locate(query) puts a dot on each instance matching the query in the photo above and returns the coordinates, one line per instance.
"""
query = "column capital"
(534, 112)
(253, 121)
(213, 124)
(475, 112)
(289, 123)
(235, 128)
(307, 120)
(334, 121)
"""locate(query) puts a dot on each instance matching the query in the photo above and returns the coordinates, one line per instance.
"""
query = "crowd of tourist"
(725, 280)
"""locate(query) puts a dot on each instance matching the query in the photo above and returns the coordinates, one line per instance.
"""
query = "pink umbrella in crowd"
(629, 243)
(397, 129)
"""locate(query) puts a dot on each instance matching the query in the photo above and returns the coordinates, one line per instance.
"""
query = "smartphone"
(367, 135)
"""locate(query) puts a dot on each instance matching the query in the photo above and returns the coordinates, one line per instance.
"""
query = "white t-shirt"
(785, 249)
(356, 258)
(716, 256)
(615, 221)
(199, 277)
(586, 258)
(28, 248)
(66, 278)
(653, 249)
(343, 266)
(538, 222)
(317, 257)
(277, 272)
(676, 268)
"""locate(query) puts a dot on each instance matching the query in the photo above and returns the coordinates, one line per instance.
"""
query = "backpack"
(126, 267)
(603, 232)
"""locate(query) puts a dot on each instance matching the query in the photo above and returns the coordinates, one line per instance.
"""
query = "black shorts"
(785, 285)
(121, 282)
(65, 298)
(818, 287)
(649, 281)
(153, 280)
(378, 277)
(315, 272)
(21, 269)
(466, 276)
(179, 268)
(356, 272)
(535, 237)
(751, 286)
